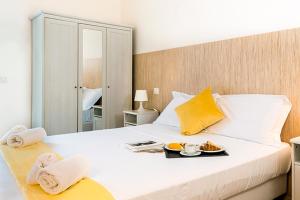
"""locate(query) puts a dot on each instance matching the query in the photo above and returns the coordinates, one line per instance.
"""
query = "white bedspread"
(135, 176)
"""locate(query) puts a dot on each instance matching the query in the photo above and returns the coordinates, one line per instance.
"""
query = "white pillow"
(90, 97)
(169, 116)
(189, 96)
(253, 117)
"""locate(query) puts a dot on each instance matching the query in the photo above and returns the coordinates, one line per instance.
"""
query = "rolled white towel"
(13, 130)
(62, 174)
(27, 137)
(41, 162)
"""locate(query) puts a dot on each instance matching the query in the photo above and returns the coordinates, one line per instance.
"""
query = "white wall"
(92, 44)
(15, 49)
(164, 24)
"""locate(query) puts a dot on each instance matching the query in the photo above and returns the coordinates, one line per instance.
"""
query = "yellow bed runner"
(20, 161)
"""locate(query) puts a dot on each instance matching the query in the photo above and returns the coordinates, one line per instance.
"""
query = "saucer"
(197, 153)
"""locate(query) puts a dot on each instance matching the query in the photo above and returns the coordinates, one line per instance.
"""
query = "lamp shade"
(141, 95)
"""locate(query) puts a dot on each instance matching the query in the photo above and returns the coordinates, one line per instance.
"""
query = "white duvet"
(137, 176)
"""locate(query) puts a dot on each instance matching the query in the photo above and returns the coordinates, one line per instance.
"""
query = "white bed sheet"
(136, 176)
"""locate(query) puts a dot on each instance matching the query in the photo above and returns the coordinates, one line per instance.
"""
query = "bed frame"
(265, 64)
(268, 190)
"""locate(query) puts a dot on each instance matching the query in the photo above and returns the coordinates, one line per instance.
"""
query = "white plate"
(166, 147)
(218, 151)
(188, 154)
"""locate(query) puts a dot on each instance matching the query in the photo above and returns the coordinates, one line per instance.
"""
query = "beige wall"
(15, 56)
(92, 73)
(164, 24)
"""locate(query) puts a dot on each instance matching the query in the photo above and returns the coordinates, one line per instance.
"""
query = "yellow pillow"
(198, 113)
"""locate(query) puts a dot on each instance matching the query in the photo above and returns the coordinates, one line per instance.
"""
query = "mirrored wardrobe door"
(91, 77)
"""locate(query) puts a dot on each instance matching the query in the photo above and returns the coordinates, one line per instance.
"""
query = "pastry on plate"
(210, 146)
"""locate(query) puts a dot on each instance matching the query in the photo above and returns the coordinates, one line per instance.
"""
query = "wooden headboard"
(267, 64)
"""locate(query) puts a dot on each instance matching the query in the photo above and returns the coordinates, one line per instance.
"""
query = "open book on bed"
(145, 145)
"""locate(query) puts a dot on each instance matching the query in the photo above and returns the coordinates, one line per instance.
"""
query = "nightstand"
(135, 118)
(295, 168)
(98, 123)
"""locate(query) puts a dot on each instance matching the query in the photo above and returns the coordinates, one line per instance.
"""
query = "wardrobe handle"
(80, 87)
(108, 86)
(75, 86)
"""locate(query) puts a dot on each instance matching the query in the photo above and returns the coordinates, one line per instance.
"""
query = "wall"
(92, 58)
(260, 64)
(92, 73)
(158, 25)
(15, 48)
(176, 23)
(92, 44)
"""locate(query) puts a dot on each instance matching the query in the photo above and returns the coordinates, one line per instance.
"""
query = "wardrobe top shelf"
(80, 20)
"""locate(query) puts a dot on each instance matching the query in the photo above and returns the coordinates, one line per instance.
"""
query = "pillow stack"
(169, 116)
(198, 113)
(252, 117)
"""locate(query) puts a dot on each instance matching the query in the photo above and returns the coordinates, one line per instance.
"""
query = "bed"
(89, 98)
(87, 119)
(134, 176)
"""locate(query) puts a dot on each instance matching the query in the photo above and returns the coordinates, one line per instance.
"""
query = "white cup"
(191, 148)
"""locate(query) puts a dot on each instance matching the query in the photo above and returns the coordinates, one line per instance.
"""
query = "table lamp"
(141, 96)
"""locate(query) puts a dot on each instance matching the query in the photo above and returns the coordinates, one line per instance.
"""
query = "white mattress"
(135, 176)
(87, 116)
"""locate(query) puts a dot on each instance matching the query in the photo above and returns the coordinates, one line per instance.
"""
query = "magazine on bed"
(145, 145)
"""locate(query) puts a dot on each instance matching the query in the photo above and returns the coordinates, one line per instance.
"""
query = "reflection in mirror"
(92, 80)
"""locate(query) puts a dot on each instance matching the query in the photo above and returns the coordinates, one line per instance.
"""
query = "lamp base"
(141, 108)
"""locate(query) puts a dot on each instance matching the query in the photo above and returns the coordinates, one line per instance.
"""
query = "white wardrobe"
(78, 65)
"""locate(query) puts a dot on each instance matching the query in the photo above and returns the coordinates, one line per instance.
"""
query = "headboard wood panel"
(267, 63)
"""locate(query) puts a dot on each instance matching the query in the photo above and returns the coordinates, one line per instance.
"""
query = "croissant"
(210, 146)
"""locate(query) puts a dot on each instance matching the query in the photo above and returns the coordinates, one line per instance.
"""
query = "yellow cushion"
(198, 113)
